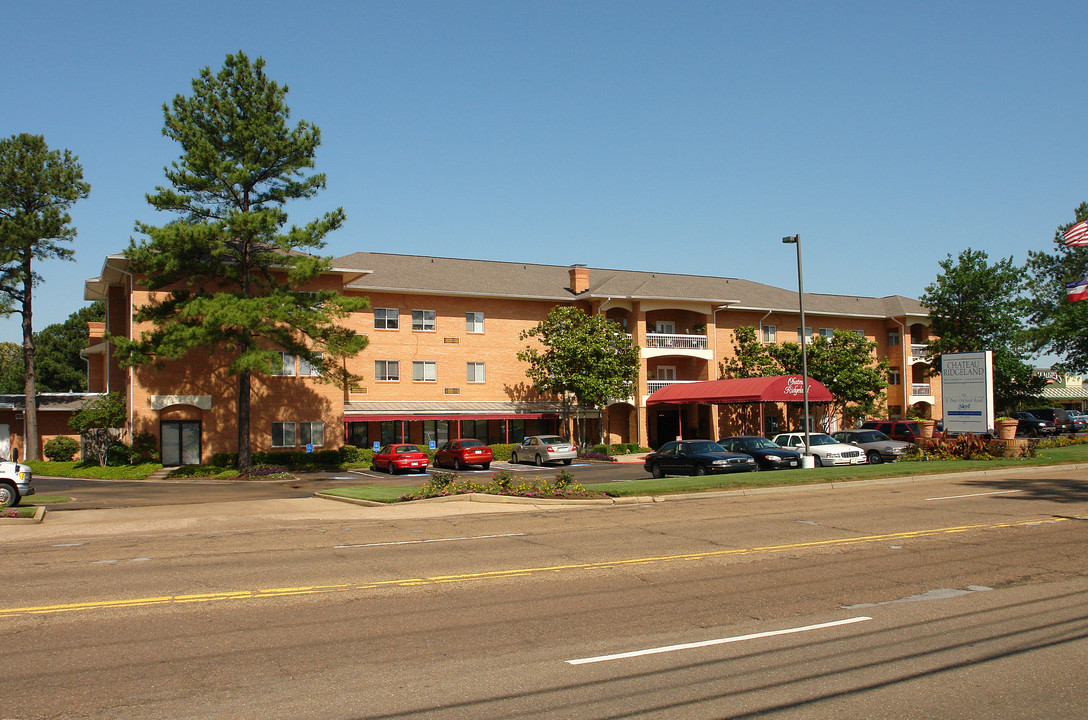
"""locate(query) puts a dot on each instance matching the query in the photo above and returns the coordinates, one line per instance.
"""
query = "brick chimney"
(579, 279)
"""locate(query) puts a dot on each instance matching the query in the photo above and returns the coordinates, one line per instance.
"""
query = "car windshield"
(872, 436)
(406, 449)
(757, 444)
(705, 447)
(551, 439)
(471, 443)
(822, 439)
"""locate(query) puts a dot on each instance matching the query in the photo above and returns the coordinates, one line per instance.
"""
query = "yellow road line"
(503, 574)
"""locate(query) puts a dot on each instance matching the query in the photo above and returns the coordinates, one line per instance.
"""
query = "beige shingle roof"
(451, 276)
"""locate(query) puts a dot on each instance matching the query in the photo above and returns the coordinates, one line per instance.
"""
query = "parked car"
(878, 447)
(901, 430)
(16, 482)
(696, 457)
(826, 449)
(1056, 415)
(395, 458)
(768, 455)
(459, 454)
(1080, 420)
(1028, 424)
(542, 449)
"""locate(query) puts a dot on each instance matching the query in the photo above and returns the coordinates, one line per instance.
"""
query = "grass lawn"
(35, 500)
(83, 470)
(683, 484)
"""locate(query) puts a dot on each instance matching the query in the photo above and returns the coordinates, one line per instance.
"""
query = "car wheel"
(9, 495)
(1033, 432)
(486, 466)
(567, 461)
(513, 457)
(655, 470)
(539, 461)
(874, 457)
(819, 462)
(756, 468)
(700, 469)
(457, 464)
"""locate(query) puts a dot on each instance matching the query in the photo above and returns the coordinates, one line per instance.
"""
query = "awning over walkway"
(780, 388)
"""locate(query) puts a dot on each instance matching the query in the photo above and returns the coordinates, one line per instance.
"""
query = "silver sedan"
(540, 449)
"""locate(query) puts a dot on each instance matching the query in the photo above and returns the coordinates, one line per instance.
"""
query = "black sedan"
(768, 455)
(696, 457)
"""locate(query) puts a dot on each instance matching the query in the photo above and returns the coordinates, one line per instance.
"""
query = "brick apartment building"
(442, 363)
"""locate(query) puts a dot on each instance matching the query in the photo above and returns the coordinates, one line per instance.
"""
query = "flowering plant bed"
(18, 512)
(503, 483)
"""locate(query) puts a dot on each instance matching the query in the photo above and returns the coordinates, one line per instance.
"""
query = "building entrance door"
(180, 442)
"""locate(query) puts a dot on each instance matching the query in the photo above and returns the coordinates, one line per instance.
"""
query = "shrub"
(61, 448)
(145, 448)
(225, 460)
(501, 451)
(118, 454)
(564, 478)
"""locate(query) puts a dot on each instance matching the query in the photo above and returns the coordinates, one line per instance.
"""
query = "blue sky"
(684, 137)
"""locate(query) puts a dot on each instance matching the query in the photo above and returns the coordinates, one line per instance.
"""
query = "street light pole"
(796, 240)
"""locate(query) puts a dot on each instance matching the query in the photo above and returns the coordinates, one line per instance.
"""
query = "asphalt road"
(961, 598)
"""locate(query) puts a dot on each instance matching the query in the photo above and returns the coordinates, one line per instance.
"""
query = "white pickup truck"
(15, 483)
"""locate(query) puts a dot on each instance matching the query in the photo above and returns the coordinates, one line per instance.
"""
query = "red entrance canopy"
(780, 388)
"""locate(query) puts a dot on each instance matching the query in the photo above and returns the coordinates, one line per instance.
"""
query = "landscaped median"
(1046, 454)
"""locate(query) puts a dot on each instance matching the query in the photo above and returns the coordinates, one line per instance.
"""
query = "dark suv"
(904, 430)
(1058, 416)
(1028, 424)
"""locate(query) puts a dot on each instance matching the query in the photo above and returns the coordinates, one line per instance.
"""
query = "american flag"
(1077, 290)
(1076, 235)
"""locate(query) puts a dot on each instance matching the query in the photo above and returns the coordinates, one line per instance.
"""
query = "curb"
(501, 499)
(39, 516)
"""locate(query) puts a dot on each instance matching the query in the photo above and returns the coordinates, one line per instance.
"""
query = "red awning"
(781, 388)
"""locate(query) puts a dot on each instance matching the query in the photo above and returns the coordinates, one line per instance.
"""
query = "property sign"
(967, 389)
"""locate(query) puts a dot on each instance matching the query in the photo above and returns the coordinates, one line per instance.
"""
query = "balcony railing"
(655, 385)
(921, 389)
(919, 352)
(676, 342)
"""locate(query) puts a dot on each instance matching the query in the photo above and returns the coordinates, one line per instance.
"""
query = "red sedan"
(460, 453)
(395, 458)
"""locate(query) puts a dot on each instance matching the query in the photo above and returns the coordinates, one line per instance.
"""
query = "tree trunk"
(245, 457)
(30, 412)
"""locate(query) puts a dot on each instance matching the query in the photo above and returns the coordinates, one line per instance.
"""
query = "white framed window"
(770, 334)
(286, 366)
(860, 334)
(893, 337)
(827, 332)
(666, 327)
(666, 372)
(387, 370)
(283, 434)
(311, 433)
(474, 322)
(386, 318)
(894, 378)
(308, 369)
(808, 334)
(423, 320)
(475, 372)
(424, 371)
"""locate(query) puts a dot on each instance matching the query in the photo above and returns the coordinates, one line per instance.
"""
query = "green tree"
(1057, 325)
(751, 358)
(235, 277)
(846, 365)
(60, 366)
(97, 422)
(37, 187)
(974, 306)
(584, 357)
(12, 381)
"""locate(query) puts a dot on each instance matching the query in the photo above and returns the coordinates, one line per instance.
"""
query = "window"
(475, 429)
(770, 334)
(286, 366)
(357, 434)
(308, 369)
(283, 434)
(516, 430)
(436, 431)
(827, 332)
(474, 322)
(475, 372)
(386, 318)
(893, 337)
(423, 319)
(666, 372)
(894, 378)
(424, 371)
(387, 370)
(808, 334)
(860, 334)
(390, 431)
(666, 327)
(311, 433)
